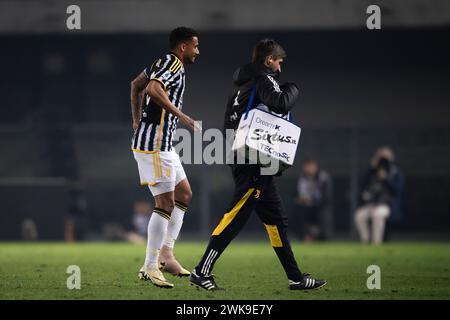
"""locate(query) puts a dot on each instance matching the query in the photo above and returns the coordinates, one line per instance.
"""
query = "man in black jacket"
(381, 196)
(252, 189)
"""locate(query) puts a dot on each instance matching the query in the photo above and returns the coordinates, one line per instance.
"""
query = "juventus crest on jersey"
(157, 126)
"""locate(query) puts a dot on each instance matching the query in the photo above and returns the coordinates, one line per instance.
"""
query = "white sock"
(175, 223)
(156, 231)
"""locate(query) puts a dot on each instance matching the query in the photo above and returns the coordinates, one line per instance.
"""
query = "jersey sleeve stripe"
(178, 67)
(146, 73)
(169, 59)
(175, 67)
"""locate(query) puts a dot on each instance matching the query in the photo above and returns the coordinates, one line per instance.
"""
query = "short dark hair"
(265, 48)
(181, 34)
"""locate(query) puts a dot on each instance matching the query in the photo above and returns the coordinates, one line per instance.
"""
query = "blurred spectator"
(29, 230)
(380, 197)
(75, 221)
(314, 213)
(141, 216)
(142, 211)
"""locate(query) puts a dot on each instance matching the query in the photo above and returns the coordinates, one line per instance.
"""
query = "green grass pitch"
(247, 270)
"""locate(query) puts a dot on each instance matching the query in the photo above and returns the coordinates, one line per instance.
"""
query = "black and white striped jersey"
(157, 126)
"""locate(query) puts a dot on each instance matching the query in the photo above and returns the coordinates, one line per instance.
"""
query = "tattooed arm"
(138, 86)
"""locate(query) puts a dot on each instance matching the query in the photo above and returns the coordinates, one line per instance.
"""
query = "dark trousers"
(253, 191)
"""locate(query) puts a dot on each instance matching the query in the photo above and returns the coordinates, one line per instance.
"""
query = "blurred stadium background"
(65, 123)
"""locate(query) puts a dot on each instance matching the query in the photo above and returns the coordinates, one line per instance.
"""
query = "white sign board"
(268, 134)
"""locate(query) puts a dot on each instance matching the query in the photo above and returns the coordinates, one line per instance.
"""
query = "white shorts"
(161, 171)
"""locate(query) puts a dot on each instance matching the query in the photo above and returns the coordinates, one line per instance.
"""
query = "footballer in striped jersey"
(156, 105)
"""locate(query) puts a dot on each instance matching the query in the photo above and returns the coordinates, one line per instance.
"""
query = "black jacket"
(388, 191)
(279, 98)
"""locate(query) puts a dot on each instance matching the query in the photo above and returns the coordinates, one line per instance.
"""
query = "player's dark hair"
(181, 34)
(265, 48)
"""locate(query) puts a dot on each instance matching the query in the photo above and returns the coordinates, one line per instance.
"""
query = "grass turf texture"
(247, 271)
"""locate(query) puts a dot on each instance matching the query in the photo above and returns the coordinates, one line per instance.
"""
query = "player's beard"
(191, 60)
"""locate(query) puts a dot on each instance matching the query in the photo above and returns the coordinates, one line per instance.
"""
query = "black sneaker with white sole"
(307, 283)
(204, 282)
